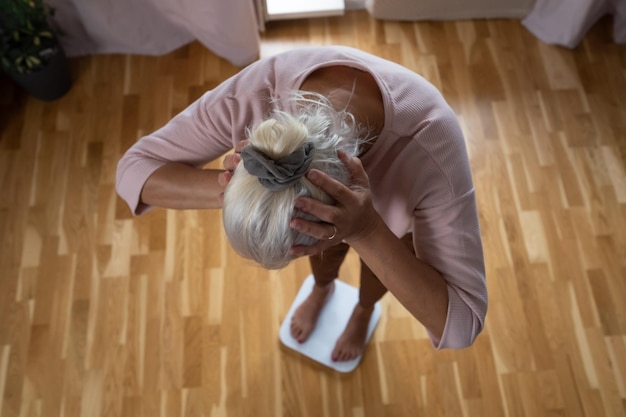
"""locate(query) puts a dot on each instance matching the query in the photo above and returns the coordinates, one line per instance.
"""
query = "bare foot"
(305, 317)
(351, 343)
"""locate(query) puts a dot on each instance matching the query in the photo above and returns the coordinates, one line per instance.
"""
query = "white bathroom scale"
(331, 323)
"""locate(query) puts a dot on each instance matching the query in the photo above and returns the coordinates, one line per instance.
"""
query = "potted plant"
(30, 51)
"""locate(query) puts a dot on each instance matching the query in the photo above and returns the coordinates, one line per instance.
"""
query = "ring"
(331, 237)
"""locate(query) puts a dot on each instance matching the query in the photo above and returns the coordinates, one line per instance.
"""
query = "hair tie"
(276, 175)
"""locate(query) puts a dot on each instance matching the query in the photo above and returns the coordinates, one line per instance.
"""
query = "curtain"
(565, 22)
(229, 28)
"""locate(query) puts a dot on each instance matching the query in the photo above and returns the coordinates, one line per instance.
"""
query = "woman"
(409, 210)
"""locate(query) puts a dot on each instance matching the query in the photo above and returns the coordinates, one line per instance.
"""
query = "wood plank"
(104, 313)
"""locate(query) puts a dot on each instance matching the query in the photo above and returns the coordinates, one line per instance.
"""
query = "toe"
(299, 333)
(337, 355)
(295, 331)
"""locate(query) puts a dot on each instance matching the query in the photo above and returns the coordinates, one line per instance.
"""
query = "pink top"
(418, 167)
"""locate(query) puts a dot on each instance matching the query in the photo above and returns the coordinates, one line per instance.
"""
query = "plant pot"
(50, 83)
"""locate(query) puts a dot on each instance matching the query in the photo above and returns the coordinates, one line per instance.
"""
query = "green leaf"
(31, 61)
(45, 34)
(36, 41)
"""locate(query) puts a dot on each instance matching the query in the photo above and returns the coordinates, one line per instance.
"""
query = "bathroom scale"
(331, 323)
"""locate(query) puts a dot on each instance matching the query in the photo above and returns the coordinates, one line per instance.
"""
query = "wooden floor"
(102, 314)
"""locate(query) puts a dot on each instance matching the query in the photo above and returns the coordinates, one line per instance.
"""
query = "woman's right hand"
(230, 163)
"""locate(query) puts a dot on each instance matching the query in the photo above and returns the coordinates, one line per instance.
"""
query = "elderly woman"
(345, 150)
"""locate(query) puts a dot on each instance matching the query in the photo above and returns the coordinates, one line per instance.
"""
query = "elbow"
(461, 338)
(128, 186)
(118, 178)
(476, 326)
(465, 321)
(122, 168)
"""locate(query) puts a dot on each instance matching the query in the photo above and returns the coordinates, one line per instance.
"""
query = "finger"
(331, 186)
(300, 251)
(319, 247)
(325, 212)
(320, 231)
(231, 161)
(224, 178)
(354, 166)
(241, 145)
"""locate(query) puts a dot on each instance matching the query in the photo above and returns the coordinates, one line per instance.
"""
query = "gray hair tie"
(282, 173)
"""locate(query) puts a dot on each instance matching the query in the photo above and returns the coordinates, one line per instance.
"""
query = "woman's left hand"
(352, 218)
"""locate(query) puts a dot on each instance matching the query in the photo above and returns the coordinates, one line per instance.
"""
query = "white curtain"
(229, 28)
(565, 22)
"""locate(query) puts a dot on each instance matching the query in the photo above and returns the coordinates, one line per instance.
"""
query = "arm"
(180, 186)
(419, 287)
(447, 294)
(164, 169)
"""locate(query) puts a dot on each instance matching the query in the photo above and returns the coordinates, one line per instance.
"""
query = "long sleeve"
(191, 137)
(208, 128)
(448, 238)
(422, 183)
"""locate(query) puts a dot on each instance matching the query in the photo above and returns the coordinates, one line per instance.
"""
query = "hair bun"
(276, 175)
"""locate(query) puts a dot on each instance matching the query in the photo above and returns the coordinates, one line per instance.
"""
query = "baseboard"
(355, 4)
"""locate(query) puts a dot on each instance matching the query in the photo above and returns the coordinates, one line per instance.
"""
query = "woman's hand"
(351, 219)
(230, 163)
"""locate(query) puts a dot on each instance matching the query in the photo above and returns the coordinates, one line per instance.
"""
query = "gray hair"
(256, 219)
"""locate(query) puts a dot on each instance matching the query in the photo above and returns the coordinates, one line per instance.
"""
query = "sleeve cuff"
(461, 326)
(131, 180)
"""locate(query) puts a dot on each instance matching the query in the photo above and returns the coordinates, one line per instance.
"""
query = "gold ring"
(331, 237)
